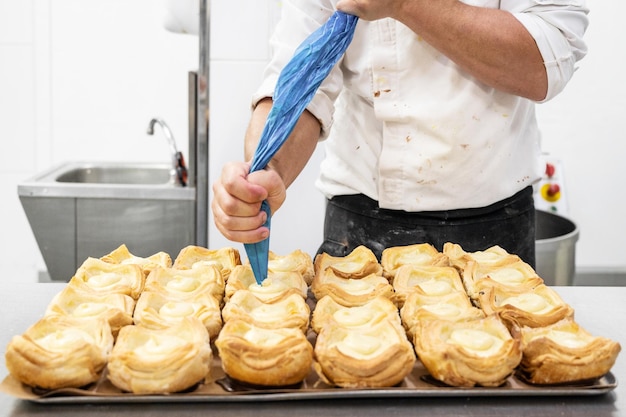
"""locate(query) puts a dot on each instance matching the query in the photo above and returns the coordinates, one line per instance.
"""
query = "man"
(428, 122)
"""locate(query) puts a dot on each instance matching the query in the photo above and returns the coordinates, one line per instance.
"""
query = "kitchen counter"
(600, 310)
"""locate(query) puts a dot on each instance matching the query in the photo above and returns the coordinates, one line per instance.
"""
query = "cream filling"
(356, 286)
(63, 340)
(353, 317)
(268, 287)
(477, 341)
(271, 312)
(183, 284)
(176, 310)
(443, 310)
(529, 302)
(157, 345)
(90, 309)
(263, 337)
(567, 339)
(104, 280)
(360, 346)
(508, 276)
(413, 259)
(435, 287)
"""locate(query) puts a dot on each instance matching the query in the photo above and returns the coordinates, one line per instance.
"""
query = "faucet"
(178, 173)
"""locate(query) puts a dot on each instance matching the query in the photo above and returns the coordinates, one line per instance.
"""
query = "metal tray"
(221, 389)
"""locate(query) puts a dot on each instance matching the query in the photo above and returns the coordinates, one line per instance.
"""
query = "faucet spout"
(179, 168)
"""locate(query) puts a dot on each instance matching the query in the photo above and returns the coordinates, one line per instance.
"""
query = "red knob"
(553, 190)
(550, 170)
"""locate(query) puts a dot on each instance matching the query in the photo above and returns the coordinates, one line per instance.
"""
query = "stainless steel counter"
(601, 310)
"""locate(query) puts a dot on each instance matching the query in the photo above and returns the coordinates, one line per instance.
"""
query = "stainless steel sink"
(86, 209)
(116, 174)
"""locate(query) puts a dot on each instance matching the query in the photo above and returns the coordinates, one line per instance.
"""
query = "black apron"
(354, 220)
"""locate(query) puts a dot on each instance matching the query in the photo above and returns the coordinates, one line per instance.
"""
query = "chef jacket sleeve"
(558, 27)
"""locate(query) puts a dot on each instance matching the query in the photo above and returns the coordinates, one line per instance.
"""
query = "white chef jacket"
(413, 131)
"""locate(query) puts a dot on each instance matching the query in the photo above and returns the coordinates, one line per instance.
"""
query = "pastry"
(467, 353)
(359, 263)
(564, 352)
(417, 254)
(158, 310)
(328, 312)
(265, 357)
(454, 306)
(350, 292)
(287, 312)
(537, 307)
(103, 277)
(225, 258)
(296, 261)
(276, 286)
(363, 356)
(490, 256)
(115, 308)
(434, 280)
(508, 275)
(160, 361)
(122, 255)
(187, 283)
(60, 352)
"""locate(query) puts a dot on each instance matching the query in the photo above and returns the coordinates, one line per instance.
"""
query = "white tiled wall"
(80, 79)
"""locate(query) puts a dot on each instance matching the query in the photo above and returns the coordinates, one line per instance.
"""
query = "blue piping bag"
(296, 86)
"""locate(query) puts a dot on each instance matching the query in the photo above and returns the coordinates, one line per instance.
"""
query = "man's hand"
(237, 198)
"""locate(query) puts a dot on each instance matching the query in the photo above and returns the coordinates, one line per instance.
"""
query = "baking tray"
(219, 388)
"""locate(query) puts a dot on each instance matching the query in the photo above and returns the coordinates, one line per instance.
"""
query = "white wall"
(80, 79)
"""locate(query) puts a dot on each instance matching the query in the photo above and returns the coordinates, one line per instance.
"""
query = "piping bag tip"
(258, 253)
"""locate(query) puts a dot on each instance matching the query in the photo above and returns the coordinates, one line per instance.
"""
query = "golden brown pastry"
(418, 254)
(434, 280)
(151, 361)
(277, 285)
(350, 292)
(537, 307)
(261, 356)
(122, 255)
(363, 356)
(102, 277)
(224, 258)
(290, 311)
(508, 275)
(359, 263)
(116, 308)
(187, 283)
(467, 353)
(157, 310)
(493, 255)
(564, 352)
(60, 352)
(454, 306)
(296, 261)
(328, 312)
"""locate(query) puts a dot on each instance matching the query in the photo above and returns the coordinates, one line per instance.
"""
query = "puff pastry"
(328, 312)
(434, 280)
(296, 261)
(362, 357)
(508, 275)
(537, 307)
(265, 357)
(157, 310)
(290, 311)
(116, 309)
(350, 292)
(418, 254)
(60, 352)
(224, 258)
(159, 361)
(276, 286)
(454, 306)
(359, 263)
(187, 283)
(122, 255)
(467, 353)
(564, 352)
(490, 256)
(102, 277)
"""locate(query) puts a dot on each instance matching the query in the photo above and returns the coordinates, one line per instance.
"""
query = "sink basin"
(116, 174)
(78, 210)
